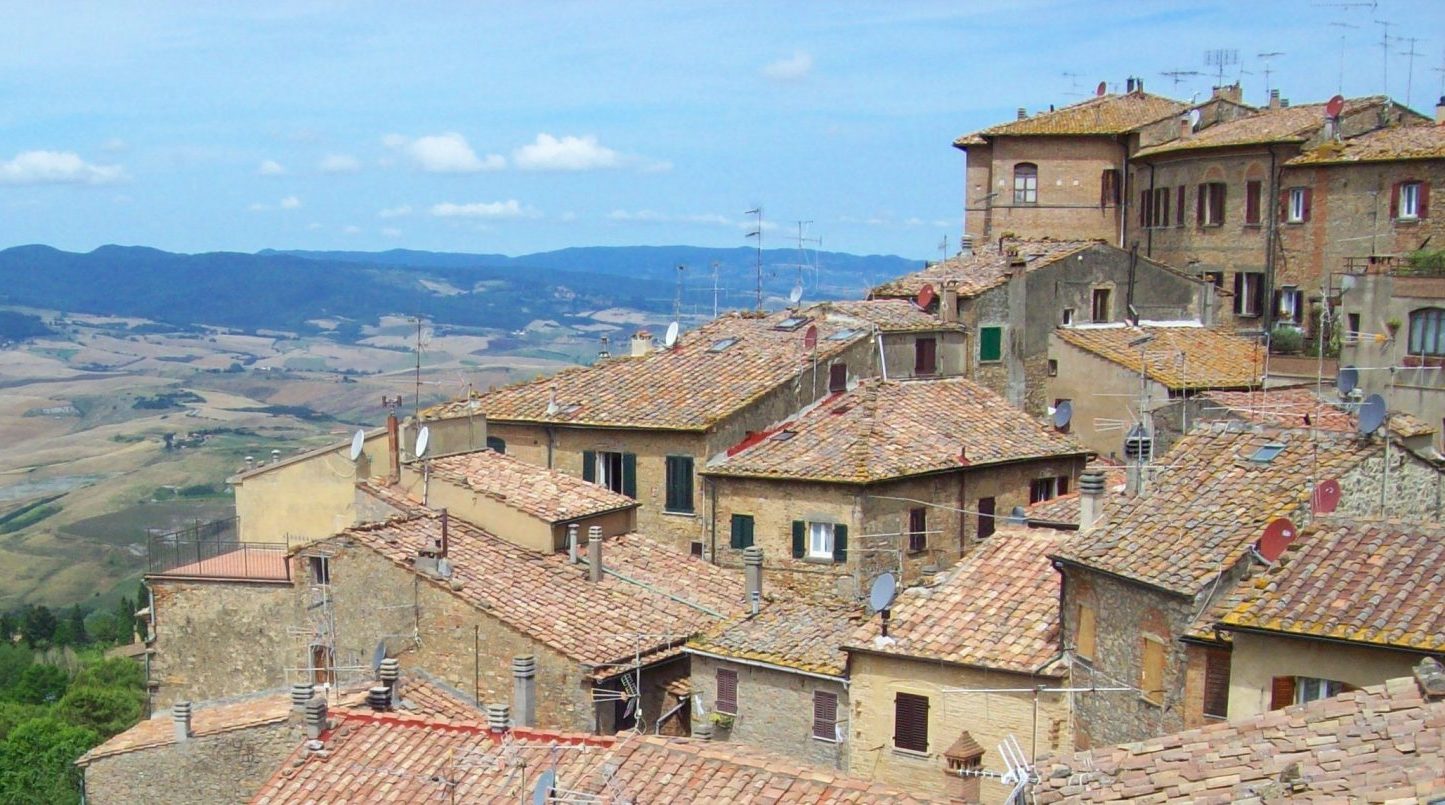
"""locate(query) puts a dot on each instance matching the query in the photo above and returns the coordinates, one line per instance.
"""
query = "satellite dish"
(1347, 380)
(552, 406)
(1194, 117)
(1326, 496)
(1062, 414)
(925, 296)
(1278, 534)
(358, 442)
(546, 784)
(377, 656)
(1102, 88)
(810, 337)
(1018, 516)
(795, 294)
(1372, 414)
(671, 337)
(1334, 106)
(880, 597)
(422, 440)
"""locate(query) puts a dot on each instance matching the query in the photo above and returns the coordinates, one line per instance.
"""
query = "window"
(1289, 303)
(1410, 201)
(791, 323)
(1295, 205)
(1248, 293)
(1267, 452)
(616, 471)
(1353, 324)
(1216, 682)
(990, 344)
(320, 569)
(1427, 331)
(721, 344)
(323, 667)
(1146, 209)
(1215, 277)
(985, 517)
(696, 549)
(825, 715)
(1061, 483)
(496, 445)
(742, 532)
(1161, 207)
(1041, 489)
(1053, 368)
(1179, 207)
(1151, 672)
(820, 541)
(910, 722)
(1084, 637)
(838, 377)
(1209, 209)
(679, 484)
(1288, 690)
(917, 530)
(925, 356)
(727, 691)
(1099, 309)
(1253, 190)
(1068, 317)
(1110, 191)
(1026, 183)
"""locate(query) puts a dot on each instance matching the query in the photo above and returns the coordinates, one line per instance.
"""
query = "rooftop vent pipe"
(594, 553)
(572, 546)
(301, 693)
(315, 717)
(524, 689)
(499, 717)
(1091, 498)
(1023, 113)
(753, 571)
(181, 717)
(379, 698)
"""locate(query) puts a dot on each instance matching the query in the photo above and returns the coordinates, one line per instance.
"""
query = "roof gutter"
(918, 658)
(1226, 627)
(843, 680)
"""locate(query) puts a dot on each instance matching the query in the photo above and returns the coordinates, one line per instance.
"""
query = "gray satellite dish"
(1372, 414)
(377, 656)
(795, 295)
(546, 784)
(1063, 414)
(1347, 379)
(880, 597)
(671, 337)
(1194, 117)
(357, 443)
(1018, 516)
(422, 440)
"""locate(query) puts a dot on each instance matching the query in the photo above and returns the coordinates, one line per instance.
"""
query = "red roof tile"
(544, 493)
(794, 634)
(1104, 114)
(988, 267)
(1395, 144)
(1288, 406)
(1181, 356)
(1291, 124)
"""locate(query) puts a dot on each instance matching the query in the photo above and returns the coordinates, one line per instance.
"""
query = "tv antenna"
(1384, 54)
(1074, 88)
(420, 321)
(1409, 65)
(677, 298)
(757, 232)
(880, 598)
(1219, 59)
(943, 249)
(358, 443)
(1342, 26)
(1268, 69)
(715, 288)
(1178, 76)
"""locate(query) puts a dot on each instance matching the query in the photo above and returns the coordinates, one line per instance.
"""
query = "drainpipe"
(712, 519)
(1149, 233)
(1271, 244)
(551, 442)
(1124, 191)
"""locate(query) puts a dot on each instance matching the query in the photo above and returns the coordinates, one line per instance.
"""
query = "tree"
(142, 597)
(76, 618)
(38, 625)
(13, 714)
(103, 627)
(8, 627)
(13, 662)
(41, 683)
(108, 711)
(37, 762)
(112, 672)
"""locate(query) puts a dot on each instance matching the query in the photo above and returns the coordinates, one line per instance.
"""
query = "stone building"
(891, 476)
(777, 680)
(1140, 586)
(1351, 603)
(1106, 372)
(1011, 295)
(642, 424)
(957, 672)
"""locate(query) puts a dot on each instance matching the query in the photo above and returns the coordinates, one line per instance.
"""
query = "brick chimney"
(948, 305)
(181, 718)
(1186, 128)
(393, 447)
(1274, 99)
(641, 343)
(1229, 92)
(1091, 498)
(962, 762)
(524, 689)
(594, 553)
(753, 571)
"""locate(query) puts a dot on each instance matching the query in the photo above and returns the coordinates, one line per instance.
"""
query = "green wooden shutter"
(840, 543)
(748, 531)
(742, 531)
(629, 475)
(589, 466)
(990, 343)
(800, 537)
(679, 483)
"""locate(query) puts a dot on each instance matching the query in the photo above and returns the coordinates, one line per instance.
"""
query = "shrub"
(1286, 340)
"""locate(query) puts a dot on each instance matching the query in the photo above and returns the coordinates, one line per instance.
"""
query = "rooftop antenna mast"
(715, 288)
(803, 263)
(757, 213)
(1178, 76)
(1219, 59)
(1441, 71)
(1384, 54)
(1342, 26)
(1268, 70)
(1409, 65)
(419, 343)
(677, 298)
(1074, 89)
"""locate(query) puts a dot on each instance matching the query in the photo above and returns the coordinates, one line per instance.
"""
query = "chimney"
(572, 557)
(1129, 84)
(1330, 128)
(250, 462)
(641, 343)
(499, 717)
(445, 536)
(1185, 128)
(1440, 111)
(753, 571)
(948, 307)
(594, 553)
(965, 243)
(390, 673)
(1091, 498)
(378, 698)
(315, 717)
(524, 689)
(1284, 103)
(301, 693)
(1138, 85)
(702, 729)
(1274, 99)
(604, 351)
(181, 716)
(1229, 92)
(393, 447)
(1023, 113)
(1133, 474)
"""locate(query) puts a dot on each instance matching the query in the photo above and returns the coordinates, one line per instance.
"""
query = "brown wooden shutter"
(1284, 205)
(985, 517)
(1309, 196)
(1199, 204)
(825, 715)
(838, 377)
(1424, 204)
(1180, 212)
(925, 356)
(1251, 202)
(1144, 208)
(910, 722)
(1216, 203)
(1281, 692)
(1216, 682)
(1084, 642)
(727, 691)
(1151, 672)
(1395, 200)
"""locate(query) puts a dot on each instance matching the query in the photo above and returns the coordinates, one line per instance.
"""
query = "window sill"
(1300, 222)
(1240, 315)
(1407, 222)
(819, 560)
(821, 739)
(671, 513)
(1253, 225)
(1151, 702)
(911, 754)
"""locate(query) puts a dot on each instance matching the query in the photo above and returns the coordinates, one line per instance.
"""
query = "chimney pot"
(524, 689)
(1185, 128)
(301, 693)
(948, 305)
(393, 447)
(1284, 103)
(1274, 99)
(315, 717)
(1023, 113)
(389, 671)
(379, 698)
(499, 717)
(702, 730)
(181, 715)
(753, 571)
(641, 343)
(572, 546)
(1129, 84)
(965, 243)
(1440, 111)
(1091, 498)
(594, 553)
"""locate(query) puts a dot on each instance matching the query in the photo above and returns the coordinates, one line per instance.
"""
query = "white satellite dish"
(795, 295)
(671, 337)
(546, 784)
(880, 596)
(422, 440)
(357, 443)
(1194, 117)
(552, 406)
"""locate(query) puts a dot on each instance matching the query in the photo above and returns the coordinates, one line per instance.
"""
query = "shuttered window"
(1216, 682)
(1151, 674)
(742, 531)
(1427, 331)
(838, 377)
(727, 691)
(917, 530)
(925, 356)
(1252, 192)
(990, 344)
(616, 471)
(1281, 692)
(985, 517)
(1109, 189)
(825, 715)
(496, 445)
(1084, 644)
(1410, 200)
(910, 722)
(679, 483)
(1179, 207)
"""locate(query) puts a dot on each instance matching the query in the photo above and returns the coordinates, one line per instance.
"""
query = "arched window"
(1026, 183)
(1427, 331)
(496, 444)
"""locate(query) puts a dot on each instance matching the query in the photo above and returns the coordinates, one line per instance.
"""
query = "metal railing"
(211, 550)
(1395, 265)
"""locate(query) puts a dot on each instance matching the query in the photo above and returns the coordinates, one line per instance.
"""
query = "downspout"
(1149, 232)
(551, 441)
(1271, 243)
(712, 517)
(1123, 206)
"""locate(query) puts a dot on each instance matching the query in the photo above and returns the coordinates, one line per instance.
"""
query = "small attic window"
(784, 435)
(843, 335)
(1267, 453)
(722, 344)
(791, 323)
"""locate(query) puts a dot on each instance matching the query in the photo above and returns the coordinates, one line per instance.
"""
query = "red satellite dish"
(925, 296)
(1326, 497)
(1278, 534)
(1335, 106)
(810, 337)
(1102, 88)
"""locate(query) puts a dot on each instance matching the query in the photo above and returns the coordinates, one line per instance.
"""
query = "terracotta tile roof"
(1378, 583)
(1208, 503)
(891, 429)
(1291, 124)
(1394, 144)
(374, 758)
(692, 386)
(1104, 114)
(1287, 407)
(890, 315)
(998, 608)
(794, 634)
(545, 597)
(252, 562)
(986, 268)
(207, 718)
(392, 496)
(1180, 356)
(544, 493)
(1064, 509)
(422, 695)
(1380, 743)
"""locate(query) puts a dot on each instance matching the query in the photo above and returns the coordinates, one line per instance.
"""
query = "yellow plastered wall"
(307, 497)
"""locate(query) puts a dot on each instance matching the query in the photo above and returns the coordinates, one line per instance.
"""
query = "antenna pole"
(417, 411)
(1410, 66)
(1384, 55)
(1342, 26)
(714, 288)
(677, 300)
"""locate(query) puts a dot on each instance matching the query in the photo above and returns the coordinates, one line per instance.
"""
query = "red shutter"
(1284, 205)
(1251, 202)
(1309, 196)
(1424, 205)
(1395, 200)
(1180, 220)
(1199, 205)
(1216, 203)
(1281, 692)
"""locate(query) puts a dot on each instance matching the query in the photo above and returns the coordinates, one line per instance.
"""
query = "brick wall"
(775, 710)
(1069, 174)
(224, 768)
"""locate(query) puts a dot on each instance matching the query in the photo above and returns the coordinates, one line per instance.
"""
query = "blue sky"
(517, 127)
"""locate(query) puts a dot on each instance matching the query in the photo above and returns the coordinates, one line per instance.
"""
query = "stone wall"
(1414, 488)
(774, 505)
(1070, 170)
(1375, 299)
(775, 710)
(1258, 658)
(224, 768)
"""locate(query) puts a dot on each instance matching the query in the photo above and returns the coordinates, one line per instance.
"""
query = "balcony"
(211, 551)
(1419, 264)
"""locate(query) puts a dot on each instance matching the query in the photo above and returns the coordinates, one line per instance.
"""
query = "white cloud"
(511, 208)
(444, 153)
(287, 203)
(566, 153)
(655, 217)
(56, 167)
(313, 226)
(646, 216)
(395, 212)
(352, 230)
(339, 163)
(270, 167)
(792, 68)
(568, 216)
(290, 203)
(391, 232)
